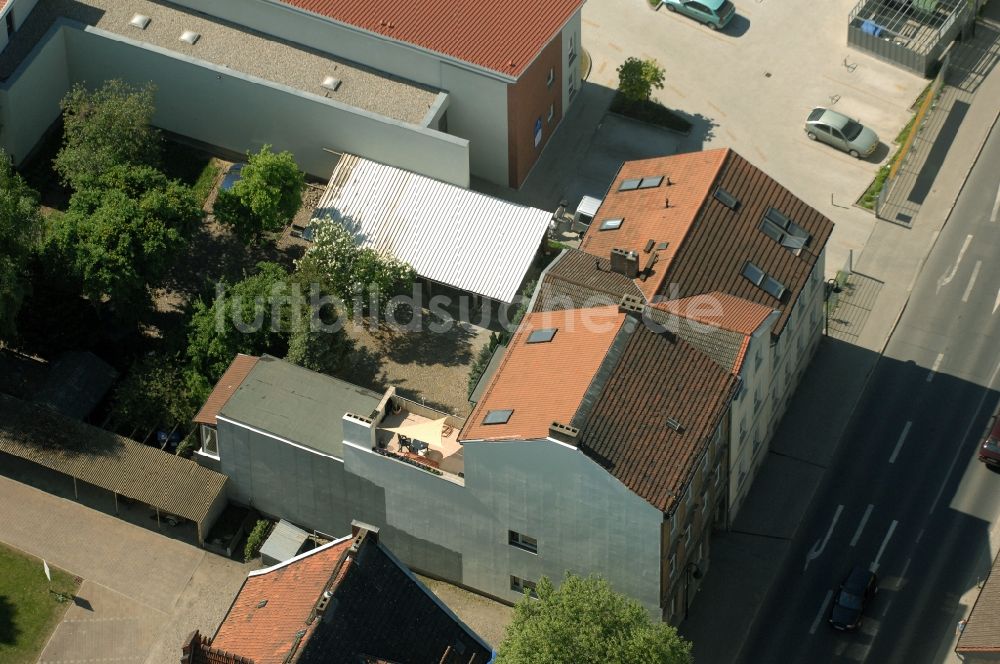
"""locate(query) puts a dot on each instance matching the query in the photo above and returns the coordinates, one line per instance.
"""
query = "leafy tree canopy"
(584, 621)
(104, 128)
(354, 275)
(156, 394)
(122, 231)
(20, 228)
(317, 348)
(265, 198)
(637, 78)
(251, 316)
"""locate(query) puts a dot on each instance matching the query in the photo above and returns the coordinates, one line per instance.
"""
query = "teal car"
(716, 14)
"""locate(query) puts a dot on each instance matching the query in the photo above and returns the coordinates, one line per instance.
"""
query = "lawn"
(28, 611)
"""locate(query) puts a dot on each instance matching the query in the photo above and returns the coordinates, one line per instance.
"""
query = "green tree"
(265, 198)
(352, 274)
(106, 127)
(121, 233)
(20, 228)
(251, 316)
(637, 78)
(584, 621)
(156, 393)
(317, 348)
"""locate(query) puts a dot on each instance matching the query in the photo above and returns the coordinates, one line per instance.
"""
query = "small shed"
(76, 383)
(286, 542)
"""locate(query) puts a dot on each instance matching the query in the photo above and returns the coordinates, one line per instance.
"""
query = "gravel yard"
(486, 617)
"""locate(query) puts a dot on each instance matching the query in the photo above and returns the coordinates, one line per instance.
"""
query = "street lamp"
(831, 287)
(690, 570)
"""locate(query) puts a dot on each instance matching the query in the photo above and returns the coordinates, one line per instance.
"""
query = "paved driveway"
(143, 592)
(753, 84)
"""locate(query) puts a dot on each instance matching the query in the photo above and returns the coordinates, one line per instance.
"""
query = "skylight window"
(140, 21)
(630, 184)
(190, 36)
(727, 199)
(753, 273)
(610, 224)
(650, 182)
(497, 416)
(542, 336)
(773, 287)
(784, 231)
(675, 425)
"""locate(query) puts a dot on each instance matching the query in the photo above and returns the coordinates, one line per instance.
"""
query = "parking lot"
(750, 87)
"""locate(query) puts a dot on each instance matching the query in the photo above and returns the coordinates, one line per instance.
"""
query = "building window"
(758, 358)
(523, 586)
(718, 476)
(673, 524)
(757, 401)
(522, 541)
(704, 465)
(572, 87)
(551, 77)
(209, 441)
(687, 496)
(10, 23)
(552, 112)
(572, 49)
(673, 568)
(687, 537)
(704, 508)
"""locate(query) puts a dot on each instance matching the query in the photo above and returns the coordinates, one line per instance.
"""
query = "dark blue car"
(855, 593)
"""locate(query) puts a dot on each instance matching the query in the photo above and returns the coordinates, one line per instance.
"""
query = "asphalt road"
(905, 495)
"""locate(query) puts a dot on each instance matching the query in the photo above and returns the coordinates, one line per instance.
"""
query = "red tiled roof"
(545, 382)
(230, 381)
(719, 310)
(502, 35)
(275, 603)
(982, 633)
(658, 376)
(663, 214)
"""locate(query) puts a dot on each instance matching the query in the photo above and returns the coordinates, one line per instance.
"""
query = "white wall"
(221, 107)
(571, 70)
(583, 518)
(478, 110)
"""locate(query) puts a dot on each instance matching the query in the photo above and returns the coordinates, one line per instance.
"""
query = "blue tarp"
(871, 28)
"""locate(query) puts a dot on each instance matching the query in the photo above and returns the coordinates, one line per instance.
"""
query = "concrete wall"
(29, 99)
(583, 518)
(572, 51)
(220, 107)
(284, 480)
(478, 106)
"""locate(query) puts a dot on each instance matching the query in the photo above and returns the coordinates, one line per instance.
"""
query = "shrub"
(256, 539)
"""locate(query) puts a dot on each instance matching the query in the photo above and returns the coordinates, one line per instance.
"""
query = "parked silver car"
(841, 132)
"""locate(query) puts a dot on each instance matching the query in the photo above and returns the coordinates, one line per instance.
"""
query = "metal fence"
(910, 33)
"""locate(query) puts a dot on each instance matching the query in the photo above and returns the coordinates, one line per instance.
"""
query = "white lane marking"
(972, 281)
(934, 368)
(822, 610)
(861, 526)
(946, 279)
(892, 527)
(819, 546)
(996, 208)
(965, 436)
(899, 443)
(919, 535)
(996, 304)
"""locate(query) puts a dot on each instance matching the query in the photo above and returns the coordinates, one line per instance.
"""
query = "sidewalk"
(746, 560)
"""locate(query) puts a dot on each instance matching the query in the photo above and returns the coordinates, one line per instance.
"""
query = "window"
(726, 199)
(498, 417)
(675, 425)
(718, 476)
(572, 49)
(10, 23)
(650, 182)
(774, 288)
(704, 509)
(758, 358)
(520, 585)
(209, 441)
(687, 537)
(544, 335)
(740, 389)
(687, 496)
(551, 77)
(522, 541)
(673, 523)
(571, 87)
(757, 401)
(552, 112)
(704, 464)
(784, 231)
(672, 564)
(753, 273)
(610, 225)
(630, 184)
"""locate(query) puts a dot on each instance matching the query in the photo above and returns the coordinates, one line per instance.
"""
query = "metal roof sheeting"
(130, 469)
(450, 235)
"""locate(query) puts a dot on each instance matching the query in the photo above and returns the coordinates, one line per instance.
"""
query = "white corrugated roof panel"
(450, 235)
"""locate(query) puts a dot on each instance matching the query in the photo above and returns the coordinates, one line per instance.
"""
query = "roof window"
(773, 287)
(630, 184)
(727, 199)
(542, 336)
(675, 425)
(140, 21)
(784, 231)
(331, 83)
(650, 182)
(753, 273)
(190, 36)
(497, 416)
(610, 225)
(764, 281)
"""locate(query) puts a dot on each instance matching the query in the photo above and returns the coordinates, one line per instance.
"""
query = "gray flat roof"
(233, 46)
(299, 405)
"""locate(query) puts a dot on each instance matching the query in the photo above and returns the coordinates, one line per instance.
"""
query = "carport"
(911, 33)
(169, 484)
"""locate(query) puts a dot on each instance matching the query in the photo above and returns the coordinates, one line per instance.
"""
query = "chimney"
(564, 433)
(631, 304)
(625, 262)
(361, 530)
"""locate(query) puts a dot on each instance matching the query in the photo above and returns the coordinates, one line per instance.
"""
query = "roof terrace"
(421, 439)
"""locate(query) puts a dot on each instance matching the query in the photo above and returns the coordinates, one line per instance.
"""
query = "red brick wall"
(528, 100)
